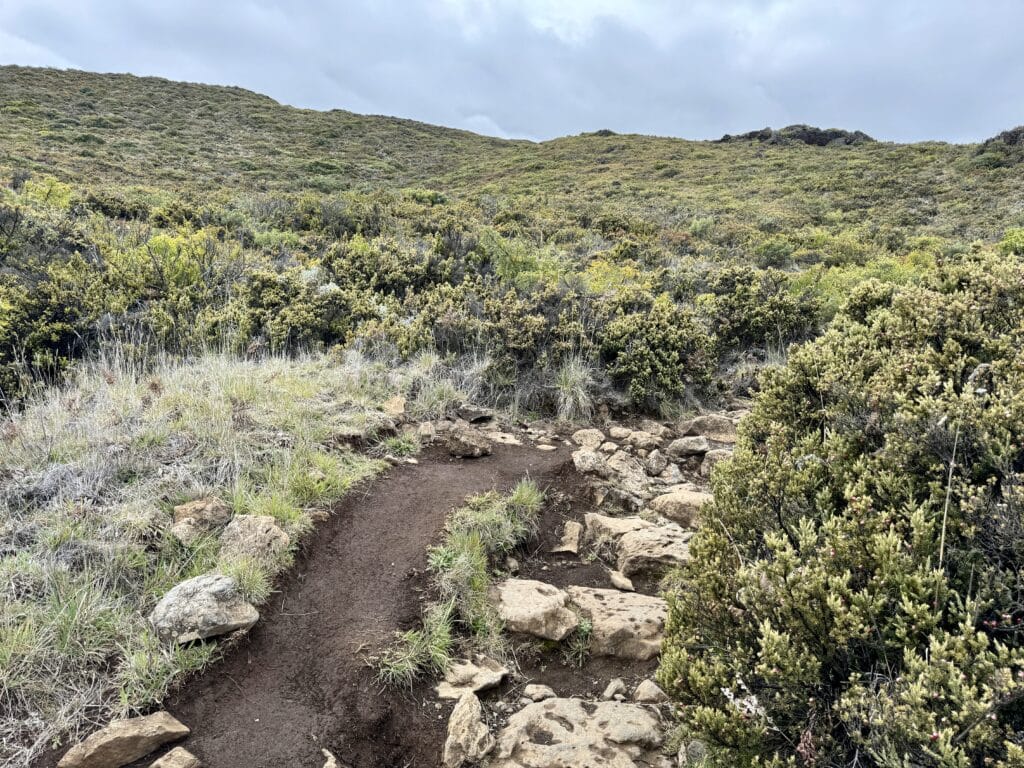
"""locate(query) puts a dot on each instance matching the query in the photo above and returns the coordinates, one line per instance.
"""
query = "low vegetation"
(488, 527)
(90, 473)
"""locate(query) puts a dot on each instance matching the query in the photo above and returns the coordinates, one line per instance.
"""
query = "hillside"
(761, 396)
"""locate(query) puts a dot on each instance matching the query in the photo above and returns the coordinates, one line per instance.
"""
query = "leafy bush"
(855, 593)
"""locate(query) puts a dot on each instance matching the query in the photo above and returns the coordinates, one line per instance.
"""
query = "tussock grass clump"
(89, 474)
(488, 526)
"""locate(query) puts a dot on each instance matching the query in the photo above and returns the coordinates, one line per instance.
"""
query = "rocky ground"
(579, 604)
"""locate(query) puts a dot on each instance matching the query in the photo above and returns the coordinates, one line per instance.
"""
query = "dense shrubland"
(855, 595)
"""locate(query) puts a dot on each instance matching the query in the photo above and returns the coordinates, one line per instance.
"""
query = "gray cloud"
(902, 71)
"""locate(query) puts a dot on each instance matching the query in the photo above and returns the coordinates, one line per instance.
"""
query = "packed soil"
(301, 680)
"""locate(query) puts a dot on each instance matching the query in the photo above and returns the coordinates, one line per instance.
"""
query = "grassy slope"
(125, 130)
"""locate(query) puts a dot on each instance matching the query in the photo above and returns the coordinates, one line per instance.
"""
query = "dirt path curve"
(300, 682)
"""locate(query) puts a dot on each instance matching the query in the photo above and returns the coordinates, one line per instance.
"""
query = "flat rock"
(588, 438)
(571, 733)
(253, 536)
(653, 551)
(624, 624)
(204, 606)
(571, 535)
(533, 608)
(473, 676)
(713, 426)
(619, 433)
(468, 443)
(503, 438)
(124, 741)
(681, 506)
(688, 446)
(711, 458)
(535, 692)
(644, 440)
(179, 757)
(605, 529)
(468, 739)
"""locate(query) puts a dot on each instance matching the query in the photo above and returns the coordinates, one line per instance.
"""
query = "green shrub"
(854, 593)
(657, 353)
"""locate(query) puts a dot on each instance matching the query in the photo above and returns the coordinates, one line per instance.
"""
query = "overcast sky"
(899, 70)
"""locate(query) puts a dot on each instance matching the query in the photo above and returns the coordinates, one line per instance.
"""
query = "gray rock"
(649, 692)
(653, 551)
(682, 506)
(468, 739)
(588, 438)
(623, 624)
(588, 462)
(204, 606)
(570, 543)
(619, 433)
(688, 446)
(124, 741)
(179, 757)
(615, 688)
(468, 443)
(715, 427)
(566, 733)
(535, 692)
(253, 536)
(533, 608)
(655, 463)
(712, 458)
(471, 677)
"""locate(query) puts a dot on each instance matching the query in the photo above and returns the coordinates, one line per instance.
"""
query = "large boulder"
(204, 606)
(471, 677)
(623, 624)
(681, 506)
(468, 739)
(650, 552)
(124, 741)
(468, 443)
(566, 733)
(688, 446)
(199, 517)
(253, 536)
(533, 608)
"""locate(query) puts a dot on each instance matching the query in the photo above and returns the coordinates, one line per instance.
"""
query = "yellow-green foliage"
(854, 593)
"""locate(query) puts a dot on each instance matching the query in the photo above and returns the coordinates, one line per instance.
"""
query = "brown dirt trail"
(300, 680)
